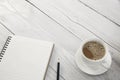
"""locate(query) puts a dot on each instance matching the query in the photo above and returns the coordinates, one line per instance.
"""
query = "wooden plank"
(40, 21)
(71, 12)
(24, 26)
(110, 9)
(51, 74)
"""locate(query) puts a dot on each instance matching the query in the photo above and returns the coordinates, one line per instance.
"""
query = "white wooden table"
(66, 23)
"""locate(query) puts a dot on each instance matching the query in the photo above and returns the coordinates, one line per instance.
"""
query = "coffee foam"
(93, 50)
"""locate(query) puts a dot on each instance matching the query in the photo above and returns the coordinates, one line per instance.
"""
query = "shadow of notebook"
(24, 59)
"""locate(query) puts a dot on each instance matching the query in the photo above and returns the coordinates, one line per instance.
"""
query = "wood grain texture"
(67, 24)
(109, 9)
(77, 13)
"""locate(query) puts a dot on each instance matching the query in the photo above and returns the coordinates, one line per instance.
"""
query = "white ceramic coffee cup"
(99, 62)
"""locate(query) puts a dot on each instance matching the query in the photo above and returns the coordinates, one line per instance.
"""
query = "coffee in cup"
(93, 50)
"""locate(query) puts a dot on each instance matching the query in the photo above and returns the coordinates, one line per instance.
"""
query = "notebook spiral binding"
(5, 47)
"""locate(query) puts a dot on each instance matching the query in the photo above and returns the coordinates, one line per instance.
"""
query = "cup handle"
(105, 64)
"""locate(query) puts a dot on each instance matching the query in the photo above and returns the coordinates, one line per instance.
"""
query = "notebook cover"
(25, 59)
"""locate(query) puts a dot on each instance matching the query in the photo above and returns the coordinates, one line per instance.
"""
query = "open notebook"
(24, 58)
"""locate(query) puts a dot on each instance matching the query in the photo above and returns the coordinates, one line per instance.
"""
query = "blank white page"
(25, 59)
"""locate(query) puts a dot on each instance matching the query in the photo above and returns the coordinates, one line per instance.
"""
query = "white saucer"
(91, 69)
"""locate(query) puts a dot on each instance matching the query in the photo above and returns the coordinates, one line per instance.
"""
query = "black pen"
(58, 70)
